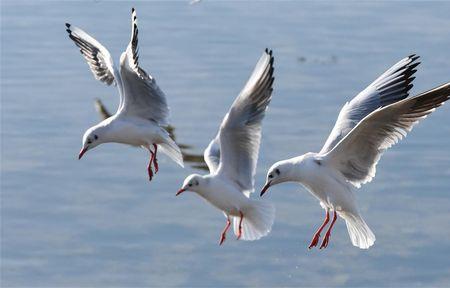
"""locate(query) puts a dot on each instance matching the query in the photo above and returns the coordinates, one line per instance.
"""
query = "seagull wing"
(101, 109)
(97, 57)
(142, 96)
(357, 154)
(240, 132)
(392, 86)
(212, 155)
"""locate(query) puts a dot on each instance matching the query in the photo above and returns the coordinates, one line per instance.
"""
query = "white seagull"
(373, 121)
(232, 156)
(143, 107)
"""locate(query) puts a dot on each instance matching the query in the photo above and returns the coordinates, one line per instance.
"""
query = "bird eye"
(89, 141)
(277, 171)
(190, 185)
(270, 176)
(95, 137)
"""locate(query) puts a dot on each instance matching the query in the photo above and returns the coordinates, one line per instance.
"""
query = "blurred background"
(99, 222)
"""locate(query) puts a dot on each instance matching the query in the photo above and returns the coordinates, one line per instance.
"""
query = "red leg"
(149, 167)
(327, 235)
(155, 161)
(224, 232)
(240, 226)
(315, 239)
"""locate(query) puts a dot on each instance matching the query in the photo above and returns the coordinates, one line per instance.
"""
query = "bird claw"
(155, 161)
(150, 173)
(155, 164)
(224, 232)
(314, 241)
(222, 239)
(240, 226)
(149, 167)
(325, 241)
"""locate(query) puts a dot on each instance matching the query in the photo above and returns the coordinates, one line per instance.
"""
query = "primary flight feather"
(232, 156)
(142, 110)
(366, 127)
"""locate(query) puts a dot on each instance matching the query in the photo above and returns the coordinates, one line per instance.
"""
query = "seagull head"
(279, 172)
(192, 183)
(91, 138)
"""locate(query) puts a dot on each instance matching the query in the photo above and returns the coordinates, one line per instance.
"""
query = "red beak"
(82, 151)
(180, 191)
(264, 189)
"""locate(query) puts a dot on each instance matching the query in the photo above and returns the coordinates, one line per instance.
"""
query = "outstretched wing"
(392, 86)
(212, 155)
(357, 154)
(142, 96)
(240, 132)
(101, 109)
(97, 56)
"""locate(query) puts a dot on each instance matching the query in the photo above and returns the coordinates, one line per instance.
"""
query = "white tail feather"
(257, 222)
(360, 234)
(171, 149)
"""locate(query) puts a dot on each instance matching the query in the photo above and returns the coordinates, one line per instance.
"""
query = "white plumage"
(373, 121)
(143, 107)
(232, 156)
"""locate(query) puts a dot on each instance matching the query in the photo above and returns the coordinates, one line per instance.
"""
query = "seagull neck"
(294, 174)
(298, 170)
(104, 129)
(205, 188)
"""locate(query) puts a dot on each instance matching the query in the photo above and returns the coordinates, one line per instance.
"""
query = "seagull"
(142, 110)
(368, 125)
(232, 156)
(196, 160)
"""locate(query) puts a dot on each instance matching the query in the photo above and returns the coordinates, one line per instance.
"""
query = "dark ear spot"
(318, 162)
(277, 171)
(95, 137)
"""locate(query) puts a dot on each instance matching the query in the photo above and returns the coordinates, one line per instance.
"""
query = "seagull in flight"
(377, 118)
(196, 160)
(232, 156)
(142, 110)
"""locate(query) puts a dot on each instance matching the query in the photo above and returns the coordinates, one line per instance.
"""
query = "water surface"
(99, 222)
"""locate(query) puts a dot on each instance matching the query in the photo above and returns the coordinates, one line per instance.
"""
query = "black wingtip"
(408, 87)
(68, 29)
(414, 65)
(269, 52)
(414, 57)
(133, 14)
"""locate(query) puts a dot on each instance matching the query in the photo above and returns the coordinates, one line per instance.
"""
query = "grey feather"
(240, 132)
(392, 86)
(143, 97)
(94, 53)
(358, 153)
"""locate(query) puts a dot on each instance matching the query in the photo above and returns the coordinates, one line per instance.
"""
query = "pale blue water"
(99, 222)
